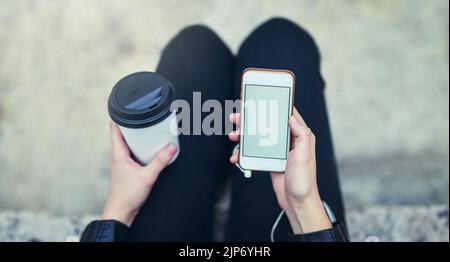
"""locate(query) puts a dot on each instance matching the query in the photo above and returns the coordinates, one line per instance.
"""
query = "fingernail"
(172, 149)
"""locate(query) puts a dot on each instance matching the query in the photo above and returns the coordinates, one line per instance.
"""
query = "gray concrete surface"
(385, 64)
(374, 223)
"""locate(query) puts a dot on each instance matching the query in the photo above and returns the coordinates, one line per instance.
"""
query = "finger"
(301, 133)
(235, 118)
(235, 135)
(278, 184)
(160, 160)
(119, 147)
(235, 155)
(313, 144)
(234, 158)
(297, 128)
(275, 175)
(299, 117)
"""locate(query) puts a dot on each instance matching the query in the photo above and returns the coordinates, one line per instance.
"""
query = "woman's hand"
(131, 183)
(296, 189)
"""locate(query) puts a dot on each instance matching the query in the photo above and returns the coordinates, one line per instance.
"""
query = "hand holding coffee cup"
(130, 183)
(140, 105)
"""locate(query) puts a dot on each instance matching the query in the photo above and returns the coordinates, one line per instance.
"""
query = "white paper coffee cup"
(140, 104)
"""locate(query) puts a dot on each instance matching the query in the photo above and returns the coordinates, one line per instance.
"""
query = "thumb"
(160, 161)
(301, 134)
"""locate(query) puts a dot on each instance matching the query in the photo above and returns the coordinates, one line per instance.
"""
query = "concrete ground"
(385, 64)
(371, 224)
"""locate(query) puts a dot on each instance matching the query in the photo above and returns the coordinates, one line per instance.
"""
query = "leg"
(180, 206)
(281, 44)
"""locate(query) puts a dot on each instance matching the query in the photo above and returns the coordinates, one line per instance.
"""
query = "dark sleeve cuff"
(334, 234)
(105, 231)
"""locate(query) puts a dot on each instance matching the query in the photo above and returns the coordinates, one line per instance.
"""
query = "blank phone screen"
(266, 116)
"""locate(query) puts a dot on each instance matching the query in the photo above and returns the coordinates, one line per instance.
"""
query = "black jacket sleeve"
(115, 231)
(105, 231)
(335, 234)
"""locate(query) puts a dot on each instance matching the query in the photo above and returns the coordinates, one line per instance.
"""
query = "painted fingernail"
(233, 133)
(172, 149)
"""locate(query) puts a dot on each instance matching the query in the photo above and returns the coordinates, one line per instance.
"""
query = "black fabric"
(334, 234)
(105, 231)
(180, 206)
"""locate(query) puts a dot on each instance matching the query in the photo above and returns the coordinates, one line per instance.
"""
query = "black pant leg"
(281, 44)
(180, 206)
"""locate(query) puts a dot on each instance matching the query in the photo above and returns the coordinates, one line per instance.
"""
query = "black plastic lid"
(140, 100)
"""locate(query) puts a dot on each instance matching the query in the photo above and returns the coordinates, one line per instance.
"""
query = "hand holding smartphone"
(293, 173)
(267, 101)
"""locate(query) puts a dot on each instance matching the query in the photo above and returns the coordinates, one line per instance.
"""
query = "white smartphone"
(267, 101)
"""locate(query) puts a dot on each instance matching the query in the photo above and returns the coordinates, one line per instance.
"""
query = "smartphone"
(266, 105)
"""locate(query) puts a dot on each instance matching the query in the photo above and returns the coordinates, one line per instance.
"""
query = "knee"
(194, 48)
(283, 35)
(196, 31)
(196, 36)
(278, 23)
(279, 28)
